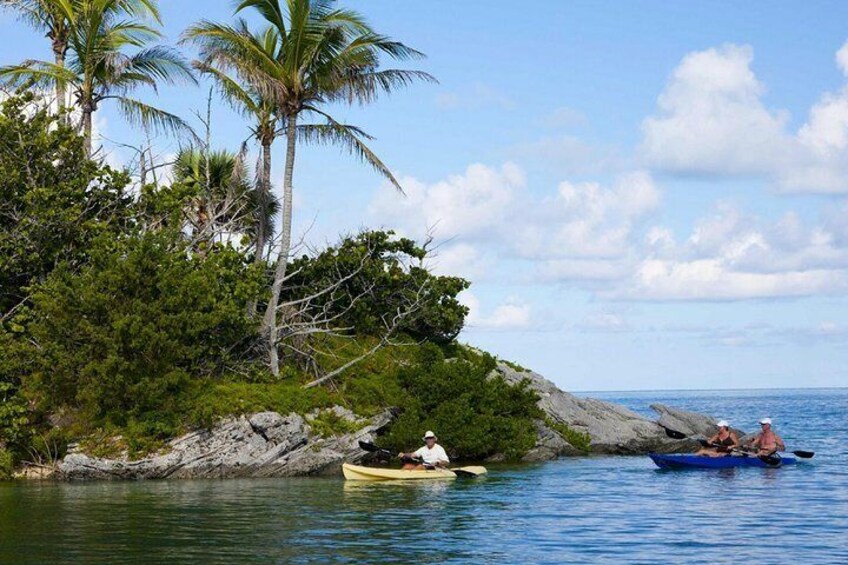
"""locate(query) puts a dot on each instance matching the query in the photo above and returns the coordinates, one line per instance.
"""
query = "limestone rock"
(613, 429)
(266, 444)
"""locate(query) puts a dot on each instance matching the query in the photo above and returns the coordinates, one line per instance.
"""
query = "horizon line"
(712, 389)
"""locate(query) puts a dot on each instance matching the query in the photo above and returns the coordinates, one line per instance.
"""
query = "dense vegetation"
(119, 320)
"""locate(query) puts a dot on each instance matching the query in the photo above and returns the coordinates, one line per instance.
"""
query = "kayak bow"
(360, 473)
(688, 461)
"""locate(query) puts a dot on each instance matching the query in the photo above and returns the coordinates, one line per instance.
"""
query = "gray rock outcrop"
(266, 444)
(612, 429)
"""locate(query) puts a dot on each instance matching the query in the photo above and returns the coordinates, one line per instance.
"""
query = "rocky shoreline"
(269, 444)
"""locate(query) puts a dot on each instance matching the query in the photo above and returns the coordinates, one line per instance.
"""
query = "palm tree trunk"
(59, 55)
(269, 322)
(87, 111)
(264, 196)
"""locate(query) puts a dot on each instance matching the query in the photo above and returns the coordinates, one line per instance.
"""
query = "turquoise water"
(587, 510)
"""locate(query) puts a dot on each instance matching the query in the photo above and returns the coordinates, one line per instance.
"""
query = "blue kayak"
(689, 461)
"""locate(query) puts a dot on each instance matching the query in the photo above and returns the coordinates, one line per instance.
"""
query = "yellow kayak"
(360, 473)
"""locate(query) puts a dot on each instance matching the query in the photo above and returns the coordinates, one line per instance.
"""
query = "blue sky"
(646, 195)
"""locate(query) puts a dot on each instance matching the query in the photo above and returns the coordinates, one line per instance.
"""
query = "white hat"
(723, 424)
(765, 421)
(428, 434)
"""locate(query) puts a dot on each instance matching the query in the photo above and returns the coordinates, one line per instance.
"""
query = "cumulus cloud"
(579, 231)
(730, 255)
(712, 120)
(587, 220)
(511, 315)
(466, 205)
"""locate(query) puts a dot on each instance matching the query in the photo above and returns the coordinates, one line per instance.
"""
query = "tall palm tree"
(214, 38)
(55, 18)
(100, 69)
(321, 55)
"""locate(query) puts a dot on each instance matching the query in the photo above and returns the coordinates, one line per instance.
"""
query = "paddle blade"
(367, 446)
(470, 472)
(804, 454)
(704, 443)
(771, 460)
(674, 434)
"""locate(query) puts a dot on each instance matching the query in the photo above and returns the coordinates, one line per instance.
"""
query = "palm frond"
(41, 73)
(349, 138)
(139, 113)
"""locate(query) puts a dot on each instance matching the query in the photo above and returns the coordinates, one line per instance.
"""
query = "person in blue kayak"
(722, 443)
(767, 442)
(431, 454)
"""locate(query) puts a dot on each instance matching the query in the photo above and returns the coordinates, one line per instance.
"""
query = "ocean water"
(583, 510)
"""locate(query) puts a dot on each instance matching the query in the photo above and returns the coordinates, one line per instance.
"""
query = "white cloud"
(598, 237)
(466, 205)
(842, 58)
(587, 220)
(461, 259)
(712, 120)
(711, 279)
(512, 315)
(732, 256)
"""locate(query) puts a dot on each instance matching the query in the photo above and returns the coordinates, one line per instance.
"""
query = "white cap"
(723, 424)
(766, 421)
(428, 433)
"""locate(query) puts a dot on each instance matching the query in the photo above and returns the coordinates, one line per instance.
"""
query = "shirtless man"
(767, 442)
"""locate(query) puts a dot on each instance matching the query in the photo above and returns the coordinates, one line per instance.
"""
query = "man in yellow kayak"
(431, 455)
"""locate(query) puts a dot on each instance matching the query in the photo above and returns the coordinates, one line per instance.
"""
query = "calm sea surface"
(587, 510)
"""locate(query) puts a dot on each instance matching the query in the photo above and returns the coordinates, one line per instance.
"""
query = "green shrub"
(7, 464)
(329, 424)
(14, 417)
(475, 414)
(577, 439)
(55, 201)
(134, 331)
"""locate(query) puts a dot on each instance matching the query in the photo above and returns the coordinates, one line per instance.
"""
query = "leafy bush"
(577, 439)
(7, 464)
(475, 414)
(14, 418)
(138, 327)
(328, 424)
(55, 201)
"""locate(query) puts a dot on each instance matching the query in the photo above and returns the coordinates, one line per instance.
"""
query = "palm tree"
(99, 69)
(224, 199)
(213, 38)
(55, 18)
(320, 55)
